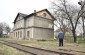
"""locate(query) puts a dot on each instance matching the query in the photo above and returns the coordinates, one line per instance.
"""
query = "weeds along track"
(32, 50)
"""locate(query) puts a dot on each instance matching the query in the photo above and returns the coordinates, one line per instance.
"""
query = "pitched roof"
(23, 15)
(41, 11)
(26, 16)
(20, 14)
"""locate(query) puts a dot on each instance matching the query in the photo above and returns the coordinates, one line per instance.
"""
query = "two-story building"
(37, 25)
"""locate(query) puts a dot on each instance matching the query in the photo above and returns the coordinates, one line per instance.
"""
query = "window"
(44, 14)
(16, 34)
(27, 33)
(50, 26)
(21, 24)
(20, 33)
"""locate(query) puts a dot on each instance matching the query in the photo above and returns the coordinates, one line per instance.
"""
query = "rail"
(33, 50)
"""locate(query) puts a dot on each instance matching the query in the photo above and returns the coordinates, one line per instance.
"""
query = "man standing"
(60, 37)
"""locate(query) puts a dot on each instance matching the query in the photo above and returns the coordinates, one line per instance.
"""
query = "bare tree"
(72, 13)
(82, 3)
(4, 28)
(1, 29)
(61, 21)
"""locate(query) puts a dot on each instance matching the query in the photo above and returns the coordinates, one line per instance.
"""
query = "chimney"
(34, 11)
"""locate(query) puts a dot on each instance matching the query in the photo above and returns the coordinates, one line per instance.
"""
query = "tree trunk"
(83, 28)
(74, 36)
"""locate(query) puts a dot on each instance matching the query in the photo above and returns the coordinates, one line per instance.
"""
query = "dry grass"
(52, 45)
(5, 50)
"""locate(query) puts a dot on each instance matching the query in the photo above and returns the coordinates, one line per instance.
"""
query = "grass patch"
(43, 40)
(69, 39)
(5, 50)
(50, 43)
(28, 41)
(81, 41)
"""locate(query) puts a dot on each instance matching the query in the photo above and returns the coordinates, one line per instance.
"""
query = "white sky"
(10, 8)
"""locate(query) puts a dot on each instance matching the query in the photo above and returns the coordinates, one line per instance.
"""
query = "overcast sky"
(10, 8)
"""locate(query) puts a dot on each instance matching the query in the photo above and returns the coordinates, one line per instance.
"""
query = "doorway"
(28, 34)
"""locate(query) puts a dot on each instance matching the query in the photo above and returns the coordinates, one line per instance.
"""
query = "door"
(28, 35)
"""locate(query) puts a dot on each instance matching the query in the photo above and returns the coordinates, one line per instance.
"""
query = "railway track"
(33, 50)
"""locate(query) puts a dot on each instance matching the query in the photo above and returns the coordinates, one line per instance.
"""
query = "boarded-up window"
(16, 34)
(27, 33)
(20, 33)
